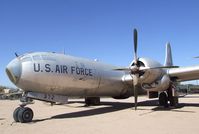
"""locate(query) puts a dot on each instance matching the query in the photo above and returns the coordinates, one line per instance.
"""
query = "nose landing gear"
(23, 114)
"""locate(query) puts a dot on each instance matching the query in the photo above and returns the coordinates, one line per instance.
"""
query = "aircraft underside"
(24, 114)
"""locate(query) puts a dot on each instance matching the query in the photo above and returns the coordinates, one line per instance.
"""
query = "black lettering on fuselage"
(37, 67)
(47, 68)
(77, 70)
(61, 69)
(57, 69)
(72, 69)
(90, 72)
(86, 72)
(81, 71)
(65, 69)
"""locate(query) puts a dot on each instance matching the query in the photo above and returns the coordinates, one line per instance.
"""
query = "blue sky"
(99, 29)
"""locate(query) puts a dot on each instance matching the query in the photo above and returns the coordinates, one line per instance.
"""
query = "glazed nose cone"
(13, 70)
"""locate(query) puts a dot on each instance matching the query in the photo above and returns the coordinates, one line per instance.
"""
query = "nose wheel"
(23, 114)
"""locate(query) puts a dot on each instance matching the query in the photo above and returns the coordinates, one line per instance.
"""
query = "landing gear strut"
(172, 96)
(169, 97)
(23, 114)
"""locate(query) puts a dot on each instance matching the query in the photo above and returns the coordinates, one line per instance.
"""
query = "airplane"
(53, 77)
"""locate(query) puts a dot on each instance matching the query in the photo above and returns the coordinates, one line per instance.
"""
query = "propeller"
(135, 69)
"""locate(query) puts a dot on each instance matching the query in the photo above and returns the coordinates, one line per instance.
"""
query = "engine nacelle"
(149, 79)
(151, 75)
(160, 85)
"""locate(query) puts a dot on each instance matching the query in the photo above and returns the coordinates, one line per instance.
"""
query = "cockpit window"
(25, 59)
(48, 57)
(36, 57)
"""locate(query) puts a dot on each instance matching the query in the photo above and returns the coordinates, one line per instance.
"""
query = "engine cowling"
(149, 79)
(160, 85)
(150, 75)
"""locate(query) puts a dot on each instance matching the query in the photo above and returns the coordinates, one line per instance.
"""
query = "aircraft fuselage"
(67, 75)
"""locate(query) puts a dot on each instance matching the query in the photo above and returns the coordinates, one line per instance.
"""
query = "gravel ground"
(112, 116)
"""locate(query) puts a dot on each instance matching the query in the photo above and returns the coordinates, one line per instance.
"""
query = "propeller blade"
(161, 67)
(135, 89)
(133, 68)
(122, 69)
(135, 46)
(166, 67)
(135, 96)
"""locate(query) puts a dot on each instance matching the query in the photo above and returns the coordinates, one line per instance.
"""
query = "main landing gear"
(169, 97)
(92, 101)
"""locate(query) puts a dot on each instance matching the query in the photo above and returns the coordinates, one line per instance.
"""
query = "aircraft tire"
(16, 113)
(92, 101)
(163, 99)
(171, 98)
(25, 115)
(174, 101)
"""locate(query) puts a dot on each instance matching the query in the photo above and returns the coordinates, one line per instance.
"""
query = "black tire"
(173, 101)
(16, 113)
(163, 99)
(25, 115)
(92, 101)
(171, 98)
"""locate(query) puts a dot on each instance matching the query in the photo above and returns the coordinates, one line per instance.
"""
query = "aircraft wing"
(184, 73)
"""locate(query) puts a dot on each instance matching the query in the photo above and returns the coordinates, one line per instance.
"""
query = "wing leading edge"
(184, 73)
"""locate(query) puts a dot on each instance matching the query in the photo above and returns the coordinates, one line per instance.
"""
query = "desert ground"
(111, 117)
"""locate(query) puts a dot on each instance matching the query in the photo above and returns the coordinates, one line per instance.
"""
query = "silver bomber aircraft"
(54, 77)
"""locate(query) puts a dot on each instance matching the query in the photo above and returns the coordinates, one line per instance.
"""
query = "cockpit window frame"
(47, 57)
(36, 57)
(26, 58)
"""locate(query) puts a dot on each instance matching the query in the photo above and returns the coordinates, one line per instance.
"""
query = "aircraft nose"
(13, 70)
